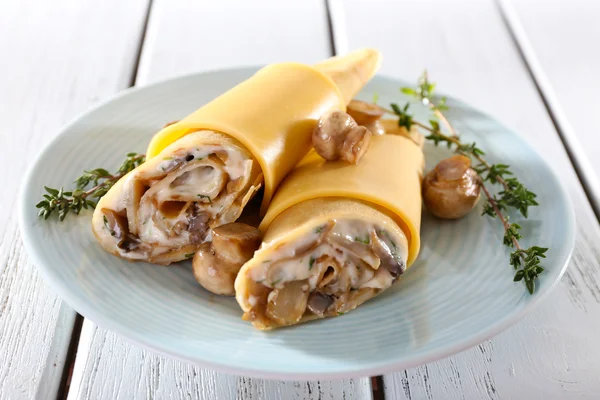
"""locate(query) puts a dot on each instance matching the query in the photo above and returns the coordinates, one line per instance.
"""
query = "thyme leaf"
(61, 202)
(513, 195)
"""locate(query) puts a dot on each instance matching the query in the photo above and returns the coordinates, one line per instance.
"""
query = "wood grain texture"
(58, 58)
(114, 369)
(194, 36)
(559, 43)
(467, 49)
(187, 36)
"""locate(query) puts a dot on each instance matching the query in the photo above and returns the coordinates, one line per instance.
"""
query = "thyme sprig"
(513, 195)
(62, 202)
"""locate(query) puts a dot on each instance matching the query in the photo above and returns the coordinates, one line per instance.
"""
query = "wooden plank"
(58, 58)
(107, 366)
(188, 36)
(114, 369)
(565, 66)
(468, 50)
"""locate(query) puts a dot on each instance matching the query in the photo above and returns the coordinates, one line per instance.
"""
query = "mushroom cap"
(235, 242)
(364, 113)
(214, 274)
(330, 132)
(337, 136)
(451, 190)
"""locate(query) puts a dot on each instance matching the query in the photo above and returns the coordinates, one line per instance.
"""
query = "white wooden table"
(531, 63)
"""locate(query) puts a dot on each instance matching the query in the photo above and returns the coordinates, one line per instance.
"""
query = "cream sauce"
(202, 181)
(354, 268)
(198, 176)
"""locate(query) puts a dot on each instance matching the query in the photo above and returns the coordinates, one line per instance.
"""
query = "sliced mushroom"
(367, 115)
(129, 243)
(201, 183)
(387, 257)
(319, 302)
(213, 273)
(330, 273)
(197, 224)
(360, 250)
(138, 189)
(235, 242)
(451, 190)
(115, 223)
(337, 136)
(277, 268)
(287, 304)
(341, 284)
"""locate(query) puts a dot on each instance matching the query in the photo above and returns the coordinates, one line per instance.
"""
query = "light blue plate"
(458, 294)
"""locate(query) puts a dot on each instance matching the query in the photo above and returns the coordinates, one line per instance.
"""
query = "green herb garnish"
(365, 240)
(513, 194)
(311, 262)
(189, 255)
(62, 202)
(203, 196)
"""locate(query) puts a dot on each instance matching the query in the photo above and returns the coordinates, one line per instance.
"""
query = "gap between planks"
(67, 373)
(138, 54)
(73, 350)
(339, 46)
(583, 168)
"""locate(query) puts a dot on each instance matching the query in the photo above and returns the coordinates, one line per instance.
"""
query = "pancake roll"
(202, 171)
(335, 235)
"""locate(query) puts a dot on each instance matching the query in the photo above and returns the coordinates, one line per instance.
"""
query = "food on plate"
(201, 171)
(163, 210)
(343, 225)
(368, 115)
(451, 189)
(338, 136)
(335, 235)
(513, 195)
(217, 264)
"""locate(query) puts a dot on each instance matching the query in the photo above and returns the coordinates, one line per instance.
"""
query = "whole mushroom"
(338, 136)
(217, 264)
(367, 115)
(451, 190)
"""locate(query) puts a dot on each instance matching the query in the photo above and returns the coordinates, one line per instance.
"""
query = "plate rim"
(384, 367)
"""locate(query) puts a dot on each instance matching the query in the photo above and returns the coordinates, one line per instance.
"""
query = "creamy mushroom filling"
(328, 271)
(164, 213)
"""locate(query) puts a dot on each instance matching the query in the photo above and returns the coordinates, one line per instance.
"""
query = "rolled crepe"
(335, 235)
(201, 171)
